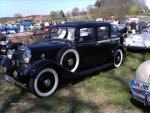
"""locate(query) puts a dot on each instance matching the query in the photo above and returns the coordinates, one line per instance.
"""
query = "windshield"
(63, 33)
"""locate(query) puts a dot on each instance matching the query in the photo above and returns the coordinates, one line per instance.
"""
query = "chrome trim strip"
(103, 41)
(116, 39)
(86, 44)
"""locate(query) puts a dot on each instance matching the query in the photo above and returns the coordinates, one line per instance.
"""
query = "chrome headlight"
(26, 57)
(10, 53)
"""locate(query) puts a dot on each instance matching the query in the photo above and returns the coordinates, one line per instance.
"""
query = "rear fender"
(118, 47)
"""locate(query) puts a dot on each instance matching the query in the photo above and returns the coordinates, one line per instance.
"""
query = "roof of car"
(81, 24)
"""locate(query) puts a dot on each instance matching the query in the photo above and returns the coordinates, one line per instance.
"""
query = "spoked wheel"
(69, 58)
(45, 83)
(118, 58)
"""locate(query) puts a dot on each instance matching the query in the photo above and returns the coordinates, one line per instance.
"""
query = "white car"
(138, 41)
(140, 85)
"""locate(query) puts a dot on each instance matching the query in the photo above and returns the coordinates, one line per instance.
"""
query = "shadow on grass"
(138, 51)
(145, 109)
(12, 99)
(73, 104)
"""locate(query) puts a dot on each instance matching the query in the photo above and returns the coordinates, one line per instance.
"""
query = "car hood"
(49, 49)
(139, 37)
(44, 46)
(143, 72)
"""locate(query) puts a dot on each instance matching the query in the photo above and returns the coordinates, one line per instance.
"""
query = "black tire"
(68, 58)
(45, 83)
(118, 58)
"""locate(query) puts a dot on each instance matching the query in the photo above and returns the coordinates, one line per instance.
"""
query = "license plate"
(139, 85)
(8, 78)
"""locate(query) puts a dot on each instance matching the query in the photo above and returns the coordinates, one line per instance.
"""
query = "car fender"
(118, 47)
(6, 63)
(33, 69)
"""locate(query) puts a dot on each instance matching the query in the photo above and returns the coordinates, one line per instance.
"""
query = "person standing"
(133, 27)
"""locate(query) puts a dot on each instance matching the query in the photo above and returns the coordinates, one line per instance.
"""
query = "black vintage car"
(74, 49)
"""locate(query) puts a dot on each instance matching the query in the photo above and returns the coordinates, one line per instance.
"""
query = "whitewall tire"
(118, 58)
(45, 83)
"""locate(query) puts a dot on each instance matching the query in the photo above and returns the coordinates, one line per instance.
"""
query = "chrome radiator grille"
(18, 62)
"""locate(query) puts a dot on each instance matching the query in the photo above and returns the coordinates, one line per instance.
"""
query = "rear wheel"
(68, 58)
(45, 83)
(118, 58)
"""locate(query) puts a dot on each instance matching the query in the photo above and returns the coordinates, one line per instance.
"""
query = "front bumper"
(140, 95)
(141, 98)
(13, 80)
(14, 69)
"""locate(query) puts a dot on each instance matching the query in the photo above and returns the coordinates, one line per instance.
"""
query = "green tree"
(61, 14)
(17, 15)
(75, 11)
(133, 10)
(53, 15)
(97, 3)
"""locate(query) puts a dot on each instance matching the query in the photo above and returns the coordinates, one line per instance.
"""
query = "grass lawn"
(104, 92)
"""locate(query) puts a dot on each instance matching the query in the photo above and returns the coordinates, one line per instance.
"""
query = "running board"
(92, 70)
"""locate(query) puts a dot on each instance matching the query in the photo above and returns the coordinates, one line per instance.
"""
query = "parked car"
(138, 41)
(146, 30)
(141, 26)
(75, 49)
(9, 30)
(21, 37)
(140, 86)
(26, 23)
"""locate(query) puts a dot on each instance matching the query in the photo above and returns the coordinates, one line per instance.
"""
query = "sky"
(39, 7)
(42, 7)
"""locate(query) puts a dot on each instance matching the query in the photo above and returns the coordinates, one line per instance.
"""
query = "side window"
(114, 28)
(103, 32)
(87, 34)
(114, 31)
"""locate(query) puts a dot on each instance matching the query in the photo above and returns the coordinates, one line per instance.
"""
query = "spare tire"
(69, 58)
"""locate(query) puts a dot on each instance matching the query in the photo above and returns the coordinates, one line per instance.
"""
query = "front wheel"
(118, 58)
(45, 83)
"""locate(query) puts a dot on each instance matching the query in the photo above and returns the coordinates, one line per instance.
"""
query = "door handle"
(97, 44)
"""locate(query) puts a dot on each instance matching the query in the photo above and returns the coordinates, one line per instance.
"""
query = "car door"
(116, 35)
(87, 47)
(104, 44)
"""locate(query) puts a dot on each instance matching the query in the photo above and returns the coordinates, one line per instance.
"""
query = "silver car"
(138, 41)
(140, 86)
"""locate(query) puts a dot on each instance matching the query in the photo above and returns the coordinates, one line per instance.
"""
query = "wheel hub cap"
(47, 82)
(118, 58)
(70, 62)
